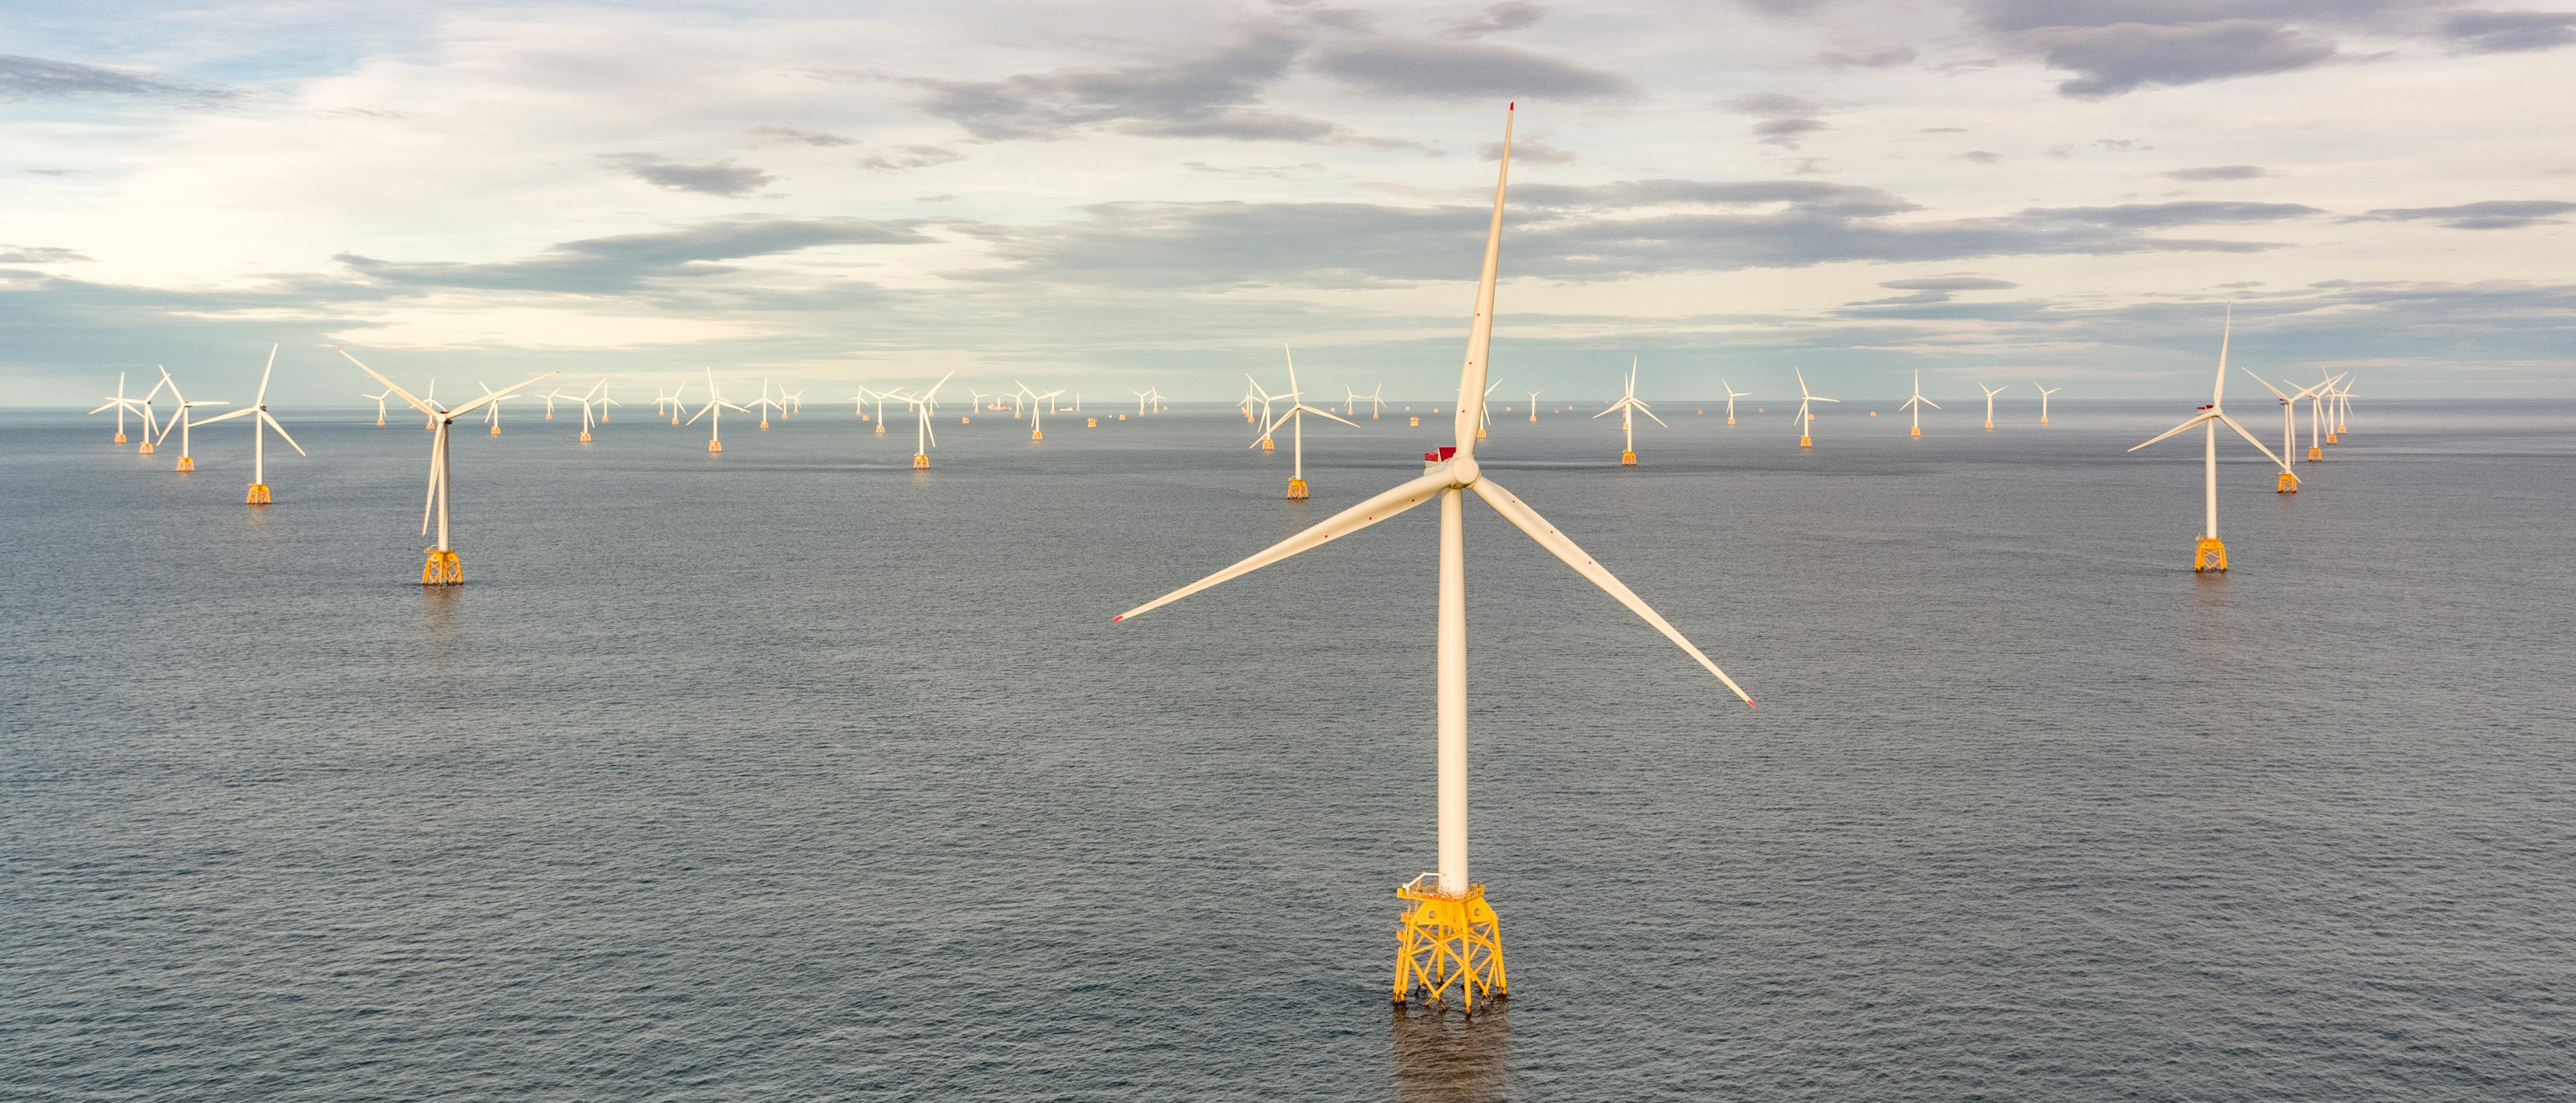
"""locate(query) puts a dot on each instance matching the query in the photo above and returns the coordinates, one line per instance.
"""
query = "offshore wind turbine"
(1295, 417)
(715, 405)
(151, 432)
(1990, 403)
(1917, 403)
(2209, 554)
(881, 397)
(380, 397)
(672, 400)
(605, 402)
(119, 403)
(1451, 938)
(492, 412)
(442, 567)
(1806, 416)
(261, 422)
(764, 403)
(1626, 407)
(925, 405)
(1485, 410)
(1534, 404)
(598, 393)
(180, 419)
(2044, 392)
(1377, 401)
(1036, 430)
(1265, 398)
(1731, 395)
(2288, 483)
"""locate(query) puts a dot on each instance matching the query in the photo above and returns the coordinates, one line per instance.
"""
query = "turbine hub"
(1464, 470)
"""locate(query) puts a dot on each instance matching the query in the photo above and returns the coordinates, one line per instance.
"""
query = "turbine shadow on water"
(1447, 1057)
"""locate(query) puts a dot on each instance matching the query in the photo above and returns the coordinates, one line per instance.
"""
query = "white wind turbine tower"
(1534, 404)
(1245, 403)
(925, 405)
(2288, 483)
(1296, 420)
(1990, 402)
(1731, 395)
(671, 400)
(151, 430)
(442, 567)
(716, 405)
(1806, 413)
(1140, 403)
(1485, 410)
(180, 418)
(1917, 403)
(794, 401)
(605, 402)
(492, 411)
(765, 405)
(2209, 554)
(1627, 420)
(1377, 401)
(1265, 398)
(881, 397)
(597, 393)
(261, 422)
(1350, 400)
(1161, 403)
(1451, 937)
(1036, 430)
(2044, 392)
(119, 403)
(550, 397)
(380, 397)
(859, 403)
(2317, 423)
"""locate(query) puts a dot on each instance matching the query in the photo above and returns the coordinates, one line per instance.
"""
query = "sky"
(1107, 196)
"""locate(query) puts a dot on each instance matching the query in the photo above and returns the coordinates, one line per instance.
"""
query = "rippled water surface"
(791, 773)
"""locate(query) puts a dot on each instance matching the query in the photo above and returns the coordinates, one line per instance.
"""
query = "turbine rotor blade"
(2249, 439)
(2193, 423)
(1538, 528)
(1404, 496)
(281, 431)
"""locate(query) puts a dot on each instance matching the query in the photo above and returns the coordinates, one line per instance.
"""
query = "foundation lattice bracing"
(442, 569)
(120, 438)
(921, 461)
(2289, 484)
(146, 449)
(258, 495)
(1627, 459)
(187, 463)
(2209, 555)
(1296, 490)
(1451, 950)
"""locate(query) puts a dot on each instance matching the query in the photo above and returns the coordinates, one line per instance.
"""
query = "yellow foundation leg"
(1806, 442)
(442, 569)
(1480, 434)
(1296, 490)
(2315, 453)
(715, 446)
(1627, 459)
(2330, 438)
(1416, 422)
(965, 421)
(2209, 555)
(187, 464)
(1729, 421)
(921, 461)
(258, 495)
(764, 423)
(2043, 420)
(585, 436)
(2289, 483)
(1091, 423)
(1268, 445)
(1037, 434)
(120, 437)
(146, 450)
(880, 428)
(380, 421)
(1451, 949)
(1990, 426)
(1918, 430)
(675, 419)
(496, 430)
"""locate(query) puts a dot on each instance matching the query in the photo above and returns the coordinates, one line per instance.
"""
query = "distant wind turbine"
(261, 422)
(1295, 417)
(1626, 408)
(1806, 414)
(2044, 392)
(2209, 554)
(1731, 395)
(1917, 403)
(442, 567)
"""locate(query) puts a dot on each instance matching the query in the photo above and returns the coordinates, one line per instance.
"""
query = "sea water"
(793, 773)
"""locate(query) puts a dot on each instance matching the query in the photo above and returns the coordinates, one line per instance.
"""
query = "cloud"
(622, 263)
(2119, 57)
(809, 137)
(1458, 70)
(2496, 32)
(1949, 283)
(1786, 117)
(1571, 233)
(2493, 214)
(909, 157)
(1510, 16)
(36, 254)
(1528, 151)
(1207, 96)
(2219, 172)
(1874, 59)
(38, 78)
(1982, 157)
(721, 178)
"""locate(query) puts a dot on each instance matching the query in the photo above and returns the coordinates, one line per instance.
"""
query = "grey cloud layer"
(1611, 231)
(40, 78)
(625, 262)
(2493, 214)
(721, 178)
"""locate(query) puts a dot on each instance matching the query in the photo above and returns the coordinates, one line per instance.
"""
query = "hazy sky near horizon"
(1111, 195)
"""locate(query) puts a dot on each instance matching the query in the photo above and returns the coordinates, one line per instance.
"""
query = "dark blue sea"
(793, 773)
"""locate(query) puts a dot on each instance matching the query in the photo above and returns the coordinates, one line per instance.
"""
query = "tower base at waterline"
(2209, 556)
(2289, 484)
(258, 495)
(1296, 490)
(442, 569)
(1451, 951)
